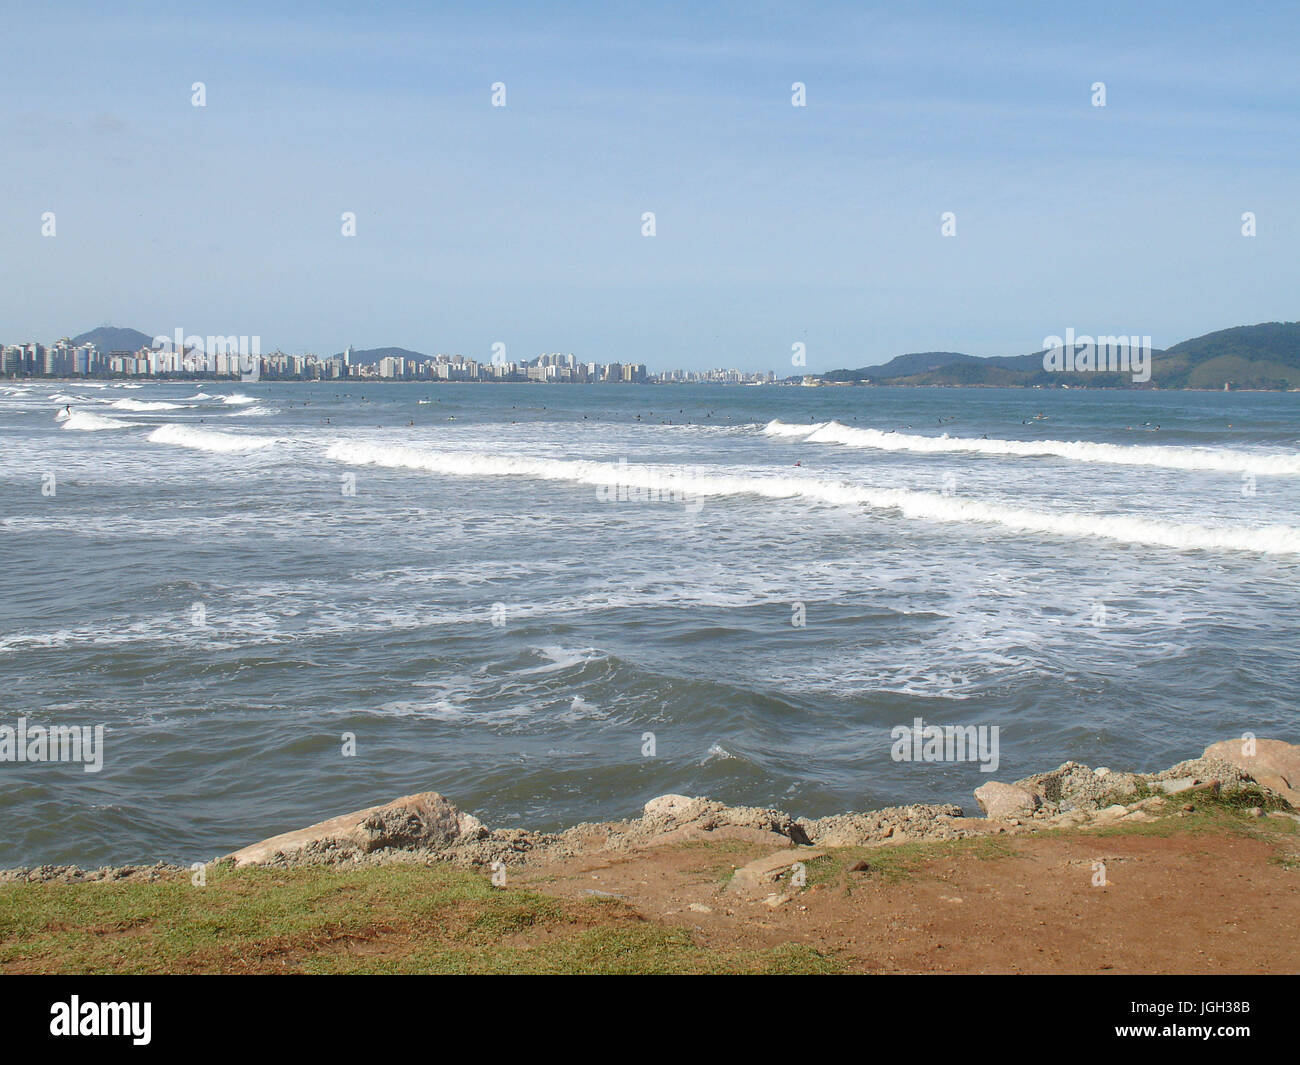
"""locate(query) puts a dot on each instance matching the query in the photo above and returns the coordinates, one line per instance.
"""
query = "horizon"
(774, 224)
(651, 368)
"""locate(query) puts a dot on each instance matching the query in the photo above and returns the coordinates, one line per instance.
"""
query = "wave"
(93, 423)
(255, 411)
(237, 399)
(717, 752)
(679, 485)
(1201, 459)
(780, 428)
(140, 404)
(207, 440)
(195, 397)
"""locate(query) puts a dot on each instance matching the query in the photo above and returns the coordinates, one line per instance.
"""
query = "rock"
(1274, 764)
(679, 818)
(943, 821)
(755, 877)
(671, 807)
(1073, 785)
(699, 907)
(999, 800)
(422, 821)
(859, 867)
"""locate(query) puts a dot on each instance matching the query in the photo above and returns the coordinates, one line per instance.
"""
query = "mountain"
(904, 366)
(1247, 356)
(108, 338)
(1264, 356)
(370, 356)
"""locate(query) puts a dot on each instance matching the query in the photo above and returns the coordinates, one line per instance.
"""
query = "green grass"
(397, 918)
(895, 863)
(1211, 811)
(411, 918)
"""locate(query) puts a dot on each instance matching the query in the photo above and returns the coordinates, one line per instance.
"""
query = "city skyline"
(240, 357)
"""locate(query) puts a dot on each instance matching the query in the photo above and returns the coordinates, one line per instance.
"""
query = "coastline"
(427, 828)
(1050, 880)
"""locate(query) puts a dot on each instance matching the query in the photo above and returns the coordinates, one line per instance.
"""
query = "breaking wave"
(684, 485)
(208, 440)
(139, 404)
(93, 423)
(1223, 460)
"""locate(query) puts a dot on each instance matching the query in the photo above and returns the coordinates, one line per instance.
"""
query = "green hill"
(1264, 356)
(109, 338)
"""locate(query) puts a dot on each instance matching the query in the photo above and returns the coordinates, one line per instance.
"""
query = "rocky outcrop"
(425, 821)
(1001, 801)
(894, 824)
(1272, 763)
(426, 827)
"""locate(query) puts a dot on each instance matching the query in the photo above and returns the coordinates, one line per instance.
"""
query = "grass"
(396, 918)
(899, 862)
(411, 918)
(1211, 811)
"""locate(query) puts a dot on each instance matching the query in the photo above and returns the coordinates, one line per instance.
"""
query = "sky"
(775, 225)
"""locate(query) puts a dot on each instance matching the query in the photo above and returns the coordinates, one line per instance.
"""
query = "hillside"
(1264, 356)
(109, 338)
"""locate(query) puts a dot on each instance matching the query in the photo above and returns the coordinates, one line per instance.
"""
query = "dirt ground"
(1218, 901)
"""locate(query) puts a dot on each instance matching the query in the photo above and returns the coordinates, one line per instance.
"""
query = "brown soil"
(1217, 901)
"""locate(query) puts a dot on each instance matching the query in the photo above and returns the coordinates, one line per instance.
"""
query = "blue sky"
(775, 224)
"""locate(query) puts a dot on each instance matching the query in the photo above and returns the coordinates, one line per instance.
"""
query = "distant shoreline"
(222, 381)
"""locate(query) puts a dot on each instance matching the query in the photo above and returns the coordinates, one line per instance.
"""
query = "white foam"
(207, 440)
(140, 404)
(921, 506)
(780, 428)
(717, 752)
(1224, 460)
(237, 399)
(92, 423)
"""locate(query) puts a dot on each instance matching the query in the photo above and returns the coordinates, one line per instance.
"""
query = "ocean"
(551, 603)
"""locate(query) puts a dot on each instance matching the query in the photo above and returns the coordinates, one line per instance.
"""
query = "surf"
(208, 440)
(914, 505)
(1192, 459)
